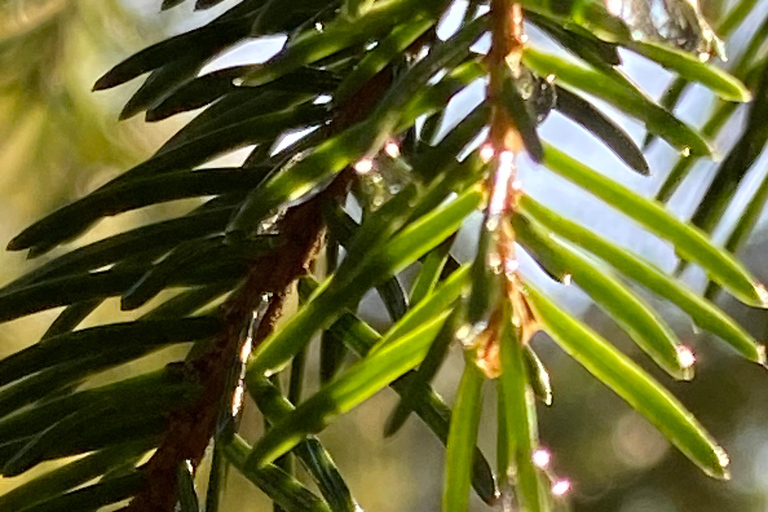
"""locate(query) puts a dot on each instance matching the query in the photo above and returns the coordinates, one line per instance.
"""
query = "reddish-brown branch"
(505, 54)
(505, 142)
(189, 431)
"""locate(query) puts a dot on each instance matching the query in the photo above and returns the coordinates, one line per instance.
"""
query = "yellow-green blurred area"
(58, 141)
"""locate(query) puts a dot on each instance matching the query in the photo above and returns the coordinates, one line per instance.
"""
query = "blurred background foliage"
(58, 141)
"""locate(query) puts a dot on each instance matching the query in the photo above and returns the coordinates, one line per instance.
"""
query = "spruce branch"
(269, 278)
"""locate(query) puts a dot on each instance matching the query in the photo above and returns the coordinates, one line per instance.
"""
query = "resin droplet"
(392, 149)
(762, 294)
(685, 356)
(468, 333)
(495, 262)
(561, 487)
(614, 7)
(486, 153)
(761, 359)
(238, 399)
(567, 280)
(245, 350)
(685, 152)
(364, 165)
(238, 395)
(498, 203)
(492, 224)
(511, 265)
(541, 458)
(268, 226)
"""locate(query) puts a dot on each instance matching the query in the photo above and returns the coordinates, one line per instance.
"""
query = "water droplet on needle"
(511, 265)
(541, 458)
(498, 202)
(364, 165)
(761, 358)
(762, 294)
(486, 153)
(561, 487)
(685, 356)
(392, 149)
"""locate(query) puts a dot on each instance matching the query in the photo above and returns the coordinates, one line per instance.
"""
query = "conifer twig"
(270, 276)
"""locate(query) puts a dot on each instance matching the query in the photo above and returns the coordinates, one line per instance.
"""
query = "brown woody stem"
(189, 431)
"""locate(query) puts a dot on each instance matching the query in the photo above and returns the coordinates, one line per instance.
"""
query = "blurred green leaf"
(161, 83)
(63, 291)
(201, 43)
(208, 88)
(160, 274)
(71, 317)
(161, 235)
(600, 54)
(152, 393)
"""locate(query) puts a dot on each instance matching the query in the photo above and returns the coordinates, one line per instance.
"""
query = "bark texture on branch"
(189, 431)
